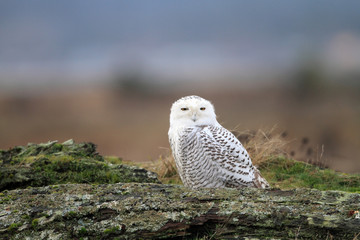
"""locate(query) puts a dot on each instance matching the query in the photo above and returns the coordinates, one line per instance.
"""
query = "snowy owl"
(207, 154)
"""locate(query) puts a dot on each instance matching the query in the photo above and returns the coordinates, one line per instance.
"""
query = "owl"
(206, 154)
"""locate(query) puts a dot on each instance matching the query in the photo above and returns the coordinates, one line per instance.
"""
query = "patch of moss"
(287, 174)
(113, 160)
(54, 163)
(71, 214)
(13, 227)
(111, 230)
(82, 231)
(35, 223)
(25, 217)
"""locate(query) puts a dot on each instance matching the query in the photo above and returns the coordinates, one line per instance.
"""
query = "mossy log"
(51, 163)
(159, 211)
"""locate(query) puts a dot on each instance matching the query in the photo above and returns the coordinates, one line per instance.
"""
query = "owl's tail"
(259, 181)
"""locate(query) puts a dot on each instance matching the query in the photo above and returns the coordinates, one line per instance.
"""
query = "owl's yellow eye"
(184, 109)
(202, 108)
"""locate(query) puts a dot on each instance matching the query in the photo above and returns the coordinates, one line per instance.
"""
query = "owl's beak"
(194, 117)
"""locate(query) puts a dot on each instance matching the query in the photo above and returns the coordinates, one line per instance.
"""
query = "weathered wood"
(145, 210)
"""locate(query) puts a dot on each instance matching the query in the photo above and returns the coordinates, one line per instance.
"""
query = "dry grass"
(165, 168)
(261, 146)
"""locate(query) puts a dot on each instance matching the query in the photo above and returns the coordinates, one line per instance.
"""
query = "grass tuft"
(262, 145)
(165, 168)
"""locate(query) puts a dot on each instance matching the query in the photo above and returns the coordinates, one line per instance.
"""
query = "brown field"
(134, 125)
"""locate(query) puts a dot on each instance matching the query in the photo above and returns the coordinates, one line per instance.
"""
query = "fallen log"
(159, 211)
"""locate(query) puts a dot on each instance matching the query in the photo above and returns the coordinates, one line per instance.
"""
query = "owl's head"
(192, 111)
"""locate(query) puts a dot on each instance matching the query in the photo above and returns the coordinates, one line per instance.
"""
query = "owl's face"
(192, 111)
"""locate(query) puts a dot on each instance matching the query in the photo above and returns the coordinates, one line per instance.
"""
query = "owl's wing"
(233, 159)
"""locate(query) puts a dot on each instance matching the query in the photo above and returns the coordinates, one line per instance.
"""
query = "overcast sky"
(85, 40)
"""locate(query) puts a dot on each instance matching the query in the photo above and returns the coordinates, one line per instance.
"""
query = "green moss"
(113, 160)
(287, 174)
(35, 223)
(7, 198)
(54, 163)
(57, 147)
(13, 227)
(25, 217)
(71, 214)
(111, 230)
(82, 231)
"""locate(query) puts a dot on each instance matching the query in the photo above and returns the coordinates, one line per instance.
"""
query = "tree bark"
(155, 211)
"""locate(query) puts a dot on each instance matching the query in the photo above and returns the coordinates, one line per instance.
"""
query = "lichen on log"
(160, 211)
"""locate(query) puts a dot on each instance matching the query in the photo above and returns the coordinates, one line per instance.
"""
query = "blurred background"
(108, 72)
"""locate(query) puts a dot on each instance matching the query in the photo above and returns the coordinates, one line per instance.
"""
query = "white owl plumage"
(206, 154)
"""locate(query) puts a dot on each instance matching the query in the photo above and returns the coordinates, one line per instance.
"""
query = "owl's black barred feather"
(206, 154)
